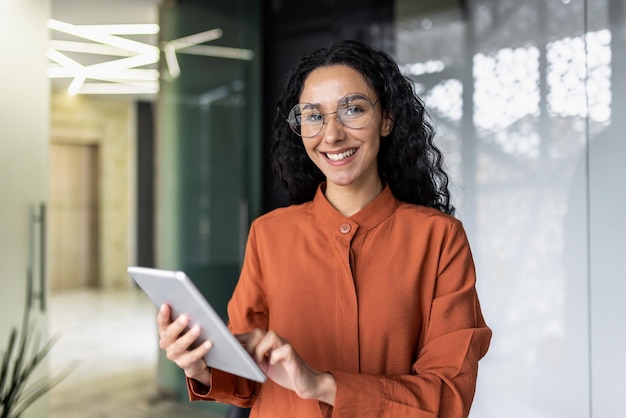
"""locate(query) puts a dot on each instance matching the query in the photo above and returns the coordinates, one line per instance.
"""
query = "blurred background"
(136, 132)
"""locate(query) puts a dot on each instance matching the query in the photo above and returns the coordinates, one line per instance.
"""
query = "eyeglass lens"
(353, 111)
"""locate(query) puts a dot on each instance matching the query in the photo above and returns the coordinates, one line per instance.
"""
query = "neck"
(349, 200)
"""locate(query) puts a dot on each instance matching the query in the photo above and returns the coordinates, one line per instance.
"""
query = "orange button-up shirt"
(385, 300)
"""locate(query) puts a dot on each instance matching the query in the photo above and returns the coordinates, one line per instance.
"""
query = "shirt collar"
(371, 215)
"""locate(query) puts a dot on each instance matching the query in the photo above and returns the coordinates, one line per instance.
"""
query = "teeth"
(341, 155)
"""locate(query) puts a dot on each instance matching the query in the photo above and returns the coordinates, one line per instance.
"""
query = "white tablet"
(177, 290)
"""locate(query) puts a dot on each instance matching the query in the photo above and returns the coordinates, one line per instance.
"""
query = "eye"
(354, 108)
(311, 116)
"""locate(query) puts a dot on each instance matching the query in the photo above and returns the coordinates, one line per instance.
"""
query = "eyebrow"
(349, 97)
(306, 106)
(345, 99)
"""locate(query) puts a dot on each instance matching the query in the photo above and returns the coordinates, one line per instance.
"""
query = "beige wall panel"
(110, 125)
(73, 216)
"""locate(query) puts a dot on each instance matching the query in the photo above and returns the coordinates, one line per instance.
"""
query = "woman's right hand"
(176, 341)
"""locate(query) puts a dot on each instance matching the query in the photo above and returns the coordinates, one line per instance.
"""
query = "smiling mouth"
(341, 155)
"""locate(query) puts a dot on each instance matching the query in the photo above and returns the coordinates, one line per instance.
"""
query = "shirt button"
(345, 228)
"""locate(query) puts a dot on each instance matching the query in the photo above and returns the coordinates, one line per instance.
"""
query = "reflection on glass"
(520, 90)
(446, 99)
(506, 87)
(567, 70)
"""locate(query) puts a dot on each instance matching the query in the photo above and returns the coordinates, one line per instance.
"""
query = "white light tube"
(123, 63)
(89, 48)
(63, 60)
(119, 76)
(75, 85)
(116, 88)
(195, 39)
(220, 51)
(125, 29)
(171, 60)
(139, 47)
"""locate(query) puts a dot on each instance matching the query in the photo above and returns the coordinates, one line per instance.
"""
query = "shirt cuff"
(197, 390)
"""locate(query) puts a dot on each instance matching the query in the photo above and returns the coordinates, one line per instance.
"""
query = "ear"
(387, 125)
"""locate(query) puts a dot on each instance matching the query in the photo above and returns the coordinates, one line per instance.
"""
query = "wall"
(288, 33)
(109, 124)
(23, 162)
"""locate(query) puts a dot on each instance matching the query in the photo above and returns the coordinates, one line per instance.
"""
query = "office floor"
(109, 339)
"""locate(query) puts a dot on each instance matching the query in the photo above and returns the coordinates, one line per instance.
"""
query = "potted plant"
(20, 358)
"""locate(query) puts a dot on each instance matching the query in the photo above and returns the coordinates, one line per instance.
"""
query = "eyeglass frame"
(323, 115)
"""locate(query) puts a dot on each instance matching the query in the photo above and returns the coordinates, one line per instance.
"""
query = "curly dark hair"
(408, 160)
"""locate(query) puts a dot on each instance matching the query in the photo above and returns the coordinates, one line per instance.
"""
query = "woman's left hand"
(280, 362)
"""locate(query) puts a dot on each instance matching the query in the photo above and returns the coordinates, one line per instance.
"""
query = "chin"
(339, 182)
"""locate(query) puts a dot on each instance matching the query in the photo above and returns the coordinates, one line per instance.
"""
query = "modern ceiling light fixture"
(106, 43)
(191, 45)
(170, 48)
(118, 71)
(106, 34)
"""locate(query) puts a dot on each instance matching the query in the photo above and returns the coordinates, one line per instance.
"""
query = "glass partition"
(607, 200)
(523, 95)
(208, 153)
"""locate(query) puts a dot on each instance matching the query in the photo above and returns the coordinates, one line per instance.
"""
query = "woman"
(359, 299)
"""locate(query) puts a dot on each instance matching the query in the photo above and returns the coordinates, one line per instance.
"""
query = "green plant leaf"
(21, 359)
(6, 362)
(11, 395)
(38, 389)
(25, 370)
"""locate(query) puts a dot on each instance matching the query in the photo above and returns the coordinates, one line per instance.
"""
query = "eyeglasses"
(354, 111)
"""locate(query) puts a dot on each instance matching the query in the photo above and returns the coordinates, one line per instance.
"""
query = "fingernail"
(182, 319)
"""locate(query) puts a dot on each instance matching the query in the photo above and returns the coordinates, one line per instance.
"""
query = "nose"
(333, 131)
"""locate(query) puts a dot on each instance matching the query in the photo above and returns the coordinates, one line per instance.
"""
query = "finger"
(249, 337)
(194, 357)
(178, 351)
(173, 331)
(283, 353)
(187, 338)
(252, 339)
(164, 317)
(266, 345)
